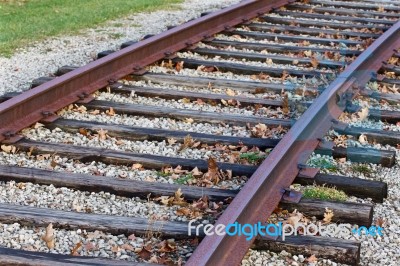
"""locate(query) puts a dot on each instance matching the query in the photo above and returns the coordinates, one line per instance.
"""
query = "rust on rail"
(262, 193)
(36, 104)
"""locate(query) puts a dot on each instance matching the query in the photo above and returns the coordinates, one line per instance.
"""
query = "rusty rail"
(262, 193)
(33, 105)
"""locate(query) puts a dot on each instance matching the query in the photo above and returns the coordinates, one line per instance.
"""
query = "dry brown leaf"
(110, 112)
(128, 247)
(48, 237)
(189, 120)
(167, 246)
(294, 218)
(269, 61)
(314, 62)
(102, 134)
(144, 254)
(171, 141)
(380, 222)
(381, 9)
(74, 251)
(261, 131)
(308, 53)
(187, 142)
(196, 172)
(136, 166)
(212, 174)
(179, 66)
(83, 131)
(41, 157)
(312, 259)
(295, 62)
(230, 92)
(8, 149)
(38, 125)
(81, 109)
(328, 215)
(285, 104)
(285, 74)
(95, 112)
(168, 64)
(207, 68)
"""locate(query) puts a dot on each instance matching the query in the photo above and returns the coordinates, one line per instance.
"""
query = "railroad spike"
(291, 195)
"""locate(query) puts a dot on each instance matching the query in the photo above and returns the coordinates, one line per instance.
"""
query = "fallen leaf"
(189, 120)
(144, 254)
(380, 222)
(38, 125)
(167, 246)
(179, 66)
(8, 149)
(230, 92)
(128, 247)
(95, 112)
(102, 134)
(294, 218)
(312, 259)
(295, 62)
(285, 104)
(110, 112)
(48, 237)
(314, 62)
(74, 251)
(269, 61)
(328, 215)
(212, 174)
(83, 131)
(285, 74)
(171, 141)
(136, 166)
(187, 142)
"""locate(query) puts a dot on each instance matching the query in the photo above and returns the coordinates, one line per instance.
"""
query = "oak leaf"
(48, 237)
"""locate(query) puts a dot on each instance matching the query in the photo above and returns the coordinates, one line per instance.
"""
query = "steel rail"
(43, 101)
(262, 193)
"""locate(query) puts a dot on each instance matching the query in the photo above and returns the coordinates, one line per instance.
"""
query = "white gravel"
(28, 194)
(86, 243)
(17, 72)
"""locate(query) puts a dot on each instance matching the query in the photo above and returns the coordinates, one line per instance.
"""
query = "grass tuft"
(252, 157)
(323, 163)
(184, 179)
(360, 168)
(324, 193)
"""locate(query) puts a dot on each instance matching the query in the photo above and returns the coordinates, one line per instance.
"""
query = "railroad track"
(211, 121)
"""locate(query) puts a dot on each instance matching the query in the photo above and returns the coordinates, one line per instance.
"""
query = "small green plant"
(324, 193)
(163, 174)
(364, 169)
(184, 179)
(252, 157)
(323, 163)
